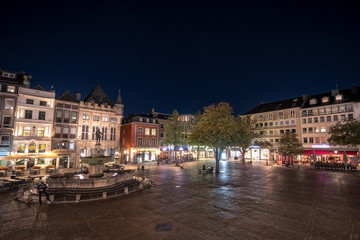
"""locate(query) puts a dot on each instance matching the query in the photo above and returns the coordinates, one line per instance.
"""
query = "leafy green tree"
(346, 133)
(290, 145)
(195, 137)
(217, 128)
(246, 133)
(174, 132)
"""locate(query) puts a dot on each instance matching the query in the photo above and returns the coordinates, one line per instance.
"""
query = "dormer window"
(325, 99)
(9, 75)
(313, 101)
(338, 97)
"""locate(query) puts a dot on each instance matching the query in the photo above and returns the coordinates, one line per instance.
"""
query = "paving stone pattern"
(242, 202)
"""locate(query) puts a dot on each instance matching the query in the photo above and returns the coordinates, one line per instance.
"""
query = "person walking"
(42, 190)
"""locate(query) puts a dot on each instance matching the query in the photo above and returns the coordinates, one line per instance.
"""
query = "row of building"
(310, 117)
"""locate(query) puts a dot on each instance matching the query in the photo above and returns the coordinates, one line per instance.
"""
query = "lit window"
(153, 132)
(21, 148)
(11, 89)
(325, 99)
(323, 129)
(338, 97)
(32, 148)
(147, 131)
(9, 103)
(105, 119)
(42, 148)
(40, 132)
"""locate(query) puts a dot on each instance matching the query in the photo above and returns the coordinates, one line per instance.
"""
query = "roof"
(67, 96)
(119, 99)
(39, 87)
(98, 96)
(274, 106)
(18, 79)
(348, 95)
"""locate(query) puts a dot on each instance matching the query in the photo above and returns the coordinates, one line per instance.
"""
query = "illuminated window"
(338, 97)
(9, 103)
(42, 148)
(32, 148)
(325, 100)
(21, 148)
(26, 131)
(40, 131)
(147, 131)
(153, 132)
(105, 119)
(11, 89)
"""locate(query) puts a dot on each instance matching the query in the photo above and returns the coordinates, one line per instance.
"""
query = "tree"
(246, 133)
(264, 144)
(217, 128)
(174, 131)
(195, 137)
(346, 133)
(290, 145)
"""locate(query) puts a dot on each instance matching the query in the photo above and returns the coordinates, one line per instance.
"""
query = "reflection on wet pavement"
(243, 202)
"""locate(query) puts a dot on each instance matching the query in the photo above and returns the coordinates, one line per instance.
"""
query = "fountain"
(94, 185)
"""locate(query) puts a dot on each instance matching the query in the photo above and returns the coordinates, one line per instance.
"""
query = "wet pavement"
(242, 202)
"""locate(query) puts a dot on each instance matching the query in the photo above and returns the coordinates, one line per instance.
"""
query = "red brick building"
(139, 139)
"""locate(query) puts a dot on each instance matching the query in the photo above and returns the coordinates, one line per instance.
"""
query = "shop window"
(32, 148)
(42, 148)
(21, 148)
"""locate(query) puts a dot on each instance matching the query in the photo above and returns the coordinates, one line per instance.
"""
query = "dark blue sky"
(185, 56)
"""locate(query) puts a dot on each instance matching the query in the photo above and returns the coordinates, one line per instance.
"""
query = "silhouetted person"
(42, 190)
(204, 166)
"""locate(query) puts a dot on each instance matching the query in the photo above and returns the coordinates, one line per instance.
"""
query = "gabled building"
(9, 87)
(97, 111)
(64, 137)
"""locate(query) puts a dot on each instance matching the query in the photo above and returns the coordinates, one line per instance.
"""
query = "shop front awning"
(17, 156)
(321, 152)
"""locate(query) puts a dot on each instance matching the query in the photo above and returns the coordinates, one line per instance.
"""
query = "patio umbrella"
(345, 158)
(314, 157)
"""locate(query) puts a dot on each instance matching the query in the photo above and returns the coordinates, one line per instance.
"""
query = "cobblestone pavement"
(242, 202)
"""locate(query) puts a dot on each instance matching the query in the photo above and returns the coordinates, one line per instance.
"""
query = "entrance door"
(146, 156)
(63, 162)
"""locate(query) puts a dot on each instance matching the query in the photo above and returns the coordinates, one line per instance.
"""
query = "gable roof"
(274, 106)
(67, 96)
(98, 96)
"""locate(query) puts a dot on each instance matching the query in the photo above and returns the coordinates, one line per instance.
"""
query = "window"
(113, 120)
(67, 106)
(85, 132)
(350, 116)
(310, 130)
(105, 119)
(9, 103)
(7, 121)
(26, 131)
(10, 88)
(292, 113)
(28, 114)
(275, 123)
(310, 112)
(323, 129)
(317, 140)
(342, 108)
(281, 123)
(42, 148)
(287, 122)
(146, 142)
(139, 142)
(309, 120)
(304, 130)
(162, 134)
(261, 124)
(32, 148)
(73, 117)
(321, 111)
(276, 140)
(287, 130)
(85, 116)
(271, 132)
(338, 97)
(335, 109)
(59, 116)
(21, 148)
(66, 116)
(342, 117)
(303, 113)
(64, 145)
(73, 132)
(140, 131)
(325, 100)
(65, 133)
(281, 115)
(112, 134)
(293, 122)
(270, 124)
(293, 130)
(140, 119)
(74, 107)
(42, 103)
(328, 119)
(72, 145)
(270, 116)
(59, 105)
(305, 140)
(104, 134)
(271, 140)
(153, 132)
(161, 125)
(56, 145)
(40, 131)
(29, 101)
(57, 132)
(349, 108)
(336, 118)
(304, 120)
(5, 141)
(96, 118)
(313, 101)
(311, 140)
(281, 131)
(324, 140)
(316, 119)
(42, 115)
(322, 119)
(266, 124)
(317, 130)
(93, 133)
(147, 131)
(153, 142)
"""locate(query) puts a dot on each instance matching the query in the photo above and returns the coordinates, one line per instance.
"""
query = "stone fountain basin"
(96, 160)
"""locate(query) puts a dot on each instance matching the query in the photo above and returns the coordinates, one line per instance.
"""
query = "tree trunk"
(198, 153)
(243, 157)
(217, 161)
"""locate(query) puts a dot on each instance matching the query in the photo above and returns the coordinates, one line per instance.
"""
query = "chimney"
(353, 89)
(78, 96)
(304, 97)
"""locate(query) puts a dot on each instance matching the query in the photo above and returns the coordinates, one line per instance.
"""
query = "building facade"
(97, 111)
(64, 137)
(33, 125)
(9, 87)
(140, 139)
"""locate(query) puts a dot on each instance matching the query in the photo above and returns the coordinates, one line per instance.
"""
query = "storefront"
(257, 153)
(326, 155)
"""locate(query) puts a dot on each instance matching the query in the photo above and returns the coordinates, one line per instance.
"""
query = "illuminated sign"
(321, 146)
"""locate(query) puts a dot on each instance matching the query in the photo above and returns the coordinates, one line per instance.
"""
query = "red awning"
(317, 152)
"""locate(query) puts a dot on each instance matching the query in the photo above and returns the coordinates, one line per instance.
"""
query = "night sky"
(184, 56)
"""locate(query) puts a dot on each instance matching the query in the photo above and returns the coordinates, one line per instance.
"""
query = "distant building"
(98, 112)
(66, 117)
(140, 139)
(33, 125)
(9, 87)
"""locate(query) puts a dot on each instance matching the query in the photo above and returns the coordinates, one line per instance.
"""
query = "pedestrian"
(204, 166)
(42, 190)
(143, 168)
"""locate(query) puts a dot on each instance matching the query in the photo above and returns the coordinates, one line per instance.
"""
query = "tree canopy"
(346, 133)
(290, 145)
(174, 131)
(217, 128)
(195, 137)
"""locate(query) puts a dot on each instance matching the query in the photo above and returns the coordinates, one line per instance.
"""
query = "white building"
(33, 125)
